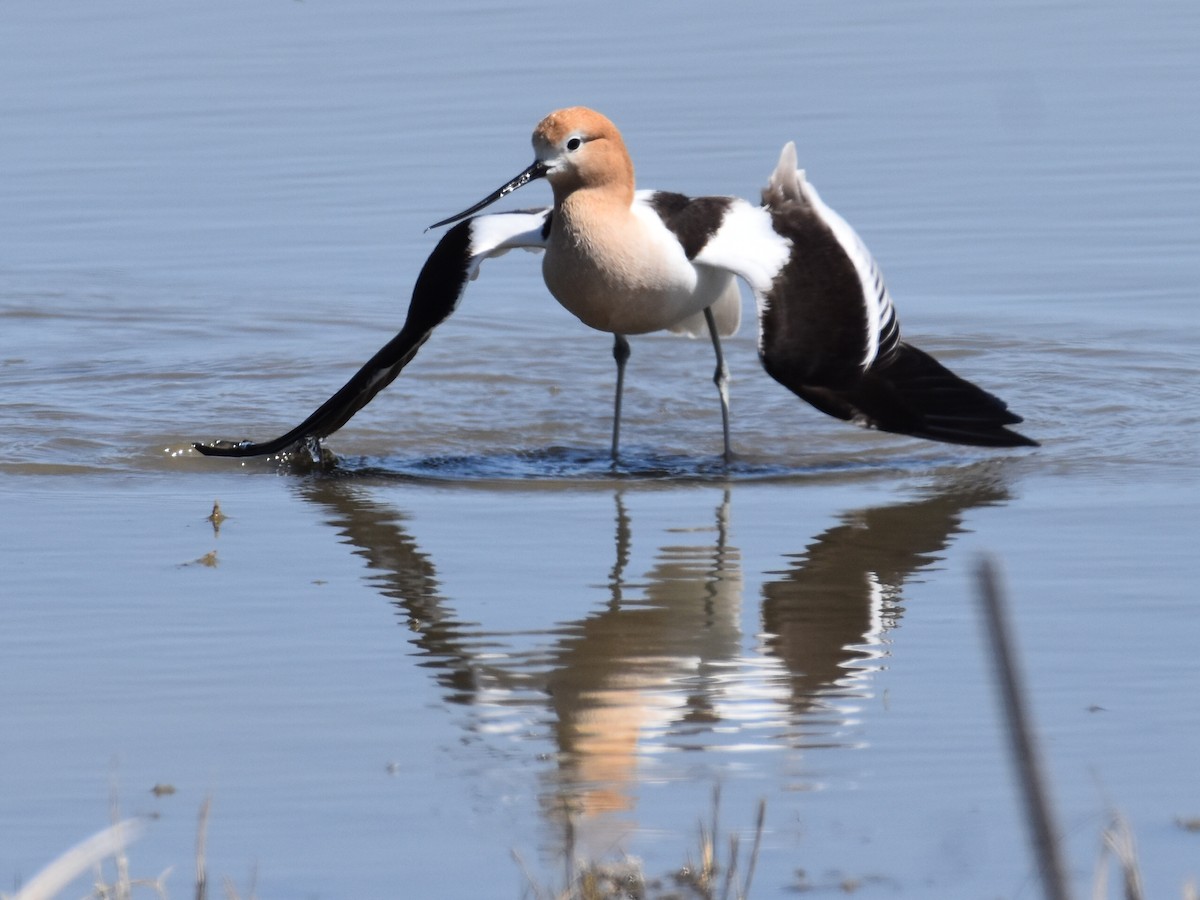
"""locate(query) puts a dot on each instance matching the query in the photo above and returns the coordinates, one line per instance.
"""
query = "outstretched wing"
(823, 308)
(827, 328)
(438, 290)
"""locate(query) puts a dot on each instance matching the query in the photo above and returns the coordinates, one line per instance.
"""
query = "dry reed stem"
(202, 850)
(1118, 842)
(1038, 812)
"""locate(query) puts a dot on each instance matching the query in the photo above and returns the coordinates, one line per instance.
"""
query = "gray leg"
(720, 379)
(621, 355)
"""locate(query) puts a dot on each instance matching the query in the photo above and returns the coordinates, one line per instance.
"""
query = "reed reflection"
(664, 662)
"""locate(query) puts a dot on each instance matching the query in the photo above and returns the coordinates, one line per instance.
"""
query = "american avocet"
(630, 262)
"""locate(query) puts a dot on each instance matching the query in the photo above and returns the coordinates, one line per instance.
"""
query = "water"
(473, 632)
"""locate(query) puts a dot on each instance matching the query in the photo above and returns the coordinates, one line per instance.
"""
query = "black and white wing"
(438, 290)
(827, 328)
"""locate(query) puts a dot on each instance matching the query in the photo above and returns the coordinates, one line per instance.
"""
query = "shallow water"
(474, 637)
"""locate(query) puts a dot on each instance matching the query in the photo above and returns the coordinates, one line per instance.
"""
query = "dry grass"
(104, 854)
(708, 873)
(710, 876)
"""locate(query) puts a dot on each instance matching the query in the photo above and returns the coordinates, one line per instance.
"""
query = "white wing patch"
(496, 233)
(747, 245)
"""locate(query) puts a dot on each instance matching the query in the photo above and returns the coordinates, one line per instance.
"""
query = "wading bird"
(630, 262)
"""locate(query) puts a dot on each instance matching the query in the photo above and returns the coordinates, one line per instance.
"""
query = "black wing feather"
(912, 393)
(815, 343)
(434, 298)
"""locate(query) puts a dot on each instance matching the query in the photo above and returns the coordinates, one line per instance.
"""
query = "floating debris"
(216, 517)
(208, 560)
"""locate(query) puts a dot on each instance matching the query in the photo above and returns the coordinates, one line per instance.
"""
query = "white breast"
(622, 271)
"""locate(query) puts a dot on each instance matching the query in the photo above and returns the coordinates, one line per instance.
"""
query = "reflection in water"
(826, 616)
(644, 664)
(661, 663)
(406, 576)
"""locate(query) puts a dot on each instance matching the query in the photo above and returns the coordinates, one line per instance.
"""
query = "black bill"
(535, 171)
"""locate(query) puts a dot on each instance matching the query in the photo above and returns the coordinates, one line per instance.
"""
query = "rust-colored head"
(583, 149)
(575, 148)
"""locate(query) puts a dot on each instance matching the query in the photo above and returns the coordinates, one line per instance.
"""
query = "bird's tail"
(912, 393)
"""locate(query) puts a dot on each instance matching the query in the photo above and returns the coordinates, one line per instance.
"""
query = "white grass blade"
(1118, 838)
(47, 883)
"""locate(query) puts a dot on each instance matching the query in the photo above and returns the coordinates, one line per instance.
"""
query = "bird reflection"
(643, 664)
(664, 660)
(825, 617)
(404, 574)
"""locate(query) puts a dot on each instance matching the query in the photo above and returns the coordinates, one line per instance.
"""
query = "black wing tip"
(996, 438)
(922, 397)
(305, 453)
(987, 428)
(981, 431)
(1019, 440)
(915, 395)
(228, 448)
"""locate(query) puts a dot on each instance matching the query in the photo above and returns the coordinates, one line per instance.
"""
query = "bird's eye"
(574, 143)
